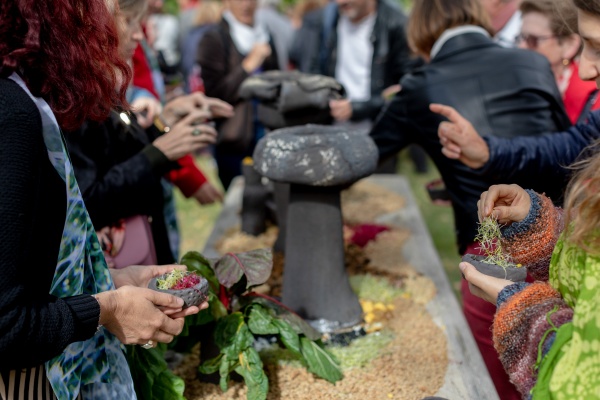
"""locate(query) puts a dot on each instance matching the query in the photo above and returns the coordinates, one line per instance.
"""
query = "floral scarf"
(95, 367)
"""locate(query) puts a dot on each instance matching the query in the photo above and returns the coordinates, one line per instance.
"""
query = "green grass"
(196, 221)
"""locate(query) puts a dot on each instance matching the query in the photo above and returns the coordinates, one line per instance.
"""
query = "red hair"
(67, 53)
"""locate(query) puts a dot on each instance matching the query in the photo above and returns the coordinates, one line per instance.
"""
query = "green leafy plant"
(488, 237)
(240, 316)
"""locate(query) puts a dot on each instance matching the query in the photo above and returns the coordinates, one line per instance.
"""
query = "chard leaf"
(195, 261)
(227, 365)
(255, 265)
(232, 335)
(211, 366)
(319, 361)
(151, 374)
(251, 369)
(261, 322)
(279, 311)
(288, 336)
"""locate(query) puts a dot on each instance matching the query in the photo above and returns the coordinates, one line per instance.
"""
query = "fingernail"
(462, 267)
(180, 301)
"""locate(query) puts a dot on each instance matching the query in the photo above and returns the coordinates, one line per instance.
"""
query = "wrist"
(107, 307)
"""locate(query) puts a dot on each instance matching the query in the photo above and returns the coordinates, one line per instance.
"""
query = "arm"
(525, 327)
(219, 81)
(544, 155)
(391, 131)
(123, 188)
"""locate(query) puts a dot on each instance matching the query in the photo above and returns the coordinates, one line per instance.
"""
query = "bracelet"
(159, 123)
(99, 324)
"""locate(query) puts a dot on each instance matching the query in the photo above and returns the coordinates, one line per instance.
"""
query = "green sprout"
(488, 237)
(169, 280)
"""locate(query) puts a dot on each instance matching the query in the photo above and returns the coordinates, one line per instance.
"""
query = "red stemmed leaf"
(255, 265)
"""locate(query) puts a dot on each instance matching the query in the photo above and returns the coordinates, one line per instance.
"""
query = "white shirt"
(354, 56)
(506, 37)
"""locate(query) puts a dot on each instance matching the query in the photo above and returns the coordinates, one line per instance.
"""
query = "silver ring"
(148, 345)
(196, 132)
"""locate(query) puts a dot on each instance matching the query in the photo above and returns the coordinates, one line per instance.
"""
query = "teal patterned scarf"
(95, 367)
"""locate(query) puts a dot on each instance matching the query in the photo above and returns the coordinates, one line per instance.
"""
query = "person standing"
(235, 49)
(362, 43)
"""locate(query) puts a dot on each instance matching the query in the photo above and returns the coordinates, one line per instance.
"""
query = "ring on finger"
(196, 132)
(148, 345)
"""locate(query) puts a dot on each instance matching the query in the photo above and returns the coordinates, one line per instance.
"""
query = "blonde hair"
(582, 203)
(209, 12)
(430, 18)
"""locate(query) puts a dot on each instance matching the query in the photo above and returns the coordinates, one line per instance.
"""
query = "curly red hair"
(67, 53)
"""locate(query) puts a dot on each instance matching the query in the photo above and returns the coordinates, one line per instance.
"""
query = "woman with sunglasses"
(547, 30)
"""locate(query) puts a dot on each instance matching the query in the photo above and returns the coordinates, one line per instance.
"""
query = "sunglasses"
(532, 41)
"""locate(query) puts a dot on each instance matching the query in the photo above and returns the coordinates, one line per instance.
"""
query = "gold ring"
(196, 132)
(148, 345)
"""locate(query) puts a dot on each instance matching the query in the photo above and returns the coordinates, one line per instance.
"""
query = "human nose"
(589, 67)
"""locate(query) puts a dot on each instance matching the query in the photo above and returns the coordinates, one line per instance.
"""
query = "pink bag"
(128, 243)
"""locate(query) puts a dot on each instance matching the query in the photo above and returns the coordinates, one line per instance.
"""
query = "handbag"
(129, 242)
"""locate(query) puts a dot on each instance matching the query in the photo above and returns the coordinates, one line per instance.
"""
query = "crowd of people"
(500, 94)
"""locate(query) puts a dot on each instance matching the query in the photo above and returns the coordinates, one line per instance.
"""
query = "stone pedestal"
(315, 283)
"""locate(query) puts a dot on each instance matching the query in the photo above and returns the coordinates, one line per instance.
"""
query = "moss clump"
(362, 350)
(368, 287)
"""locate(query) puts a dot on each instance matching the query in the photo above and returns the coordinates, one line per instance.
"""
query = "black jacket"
(391, 55)
(504, 92)
(119, 173)
(547, 155)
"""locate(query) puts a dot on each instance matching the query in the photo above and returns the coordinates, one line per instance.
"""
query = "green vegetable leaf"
(227, 365)
(151, 374)
(232, 335)
(288, 336)
(319, 361)
(195, 261)
(211, 366)
(279, 311)
(251, 369)
(260, 321)
(255, 265)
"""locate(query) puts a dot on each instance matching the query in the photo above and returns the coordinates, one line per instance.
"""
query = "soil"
(409, 357)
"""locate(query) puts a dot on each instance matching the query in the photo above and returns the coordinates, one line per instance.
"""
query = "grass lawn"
(196, 222)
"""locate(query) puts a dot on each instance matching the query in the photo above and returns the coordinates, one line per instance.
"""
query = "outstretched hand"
(483, 286)
(178, 108)
(460, 141)
(506, 203)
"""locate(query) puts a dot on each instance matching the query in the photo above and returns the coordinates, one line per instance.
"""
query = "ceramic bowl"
(511, 273)
(193, 296)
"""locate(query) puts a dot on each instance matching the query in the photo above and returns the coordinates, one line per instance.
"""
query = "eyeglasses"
(532, 41)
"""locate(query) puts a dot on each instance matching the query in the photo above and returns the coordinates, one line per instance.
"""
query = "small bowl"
(193, 296)
(515, 274)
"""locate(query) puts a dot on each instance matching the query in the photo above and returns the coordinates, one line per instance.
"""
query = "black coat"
(316, 52)
(119, 173)
(504, 92)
